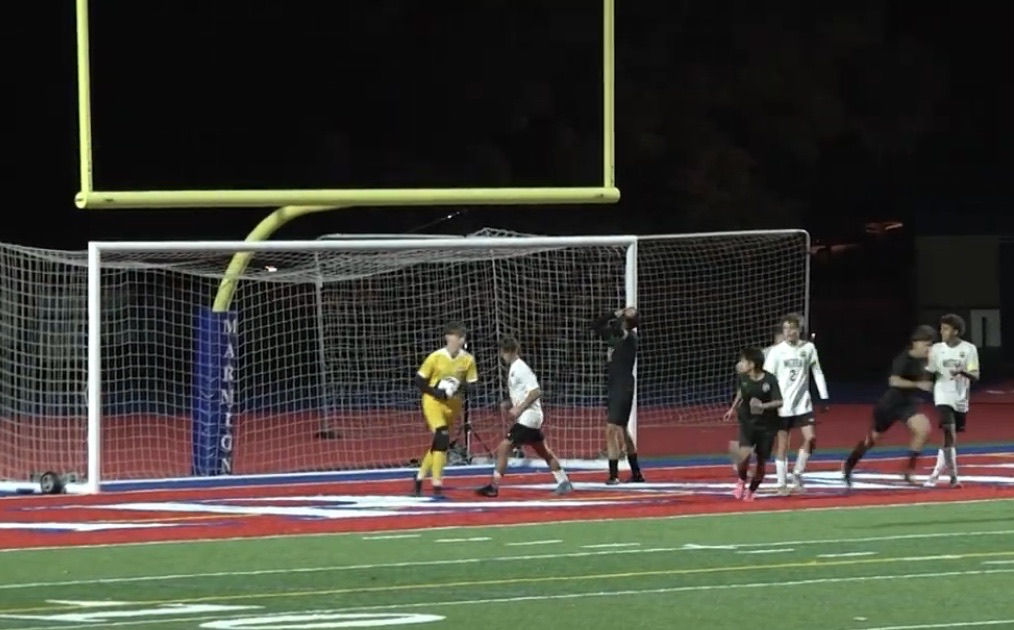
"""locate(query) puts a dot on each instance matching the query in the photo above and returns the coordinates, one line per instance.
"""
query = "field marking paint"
(525, 558)
(611, 545)
(702, 588)
(460, 540)
(999, 562)
(853, 554)
(547, 579)
(532, 543)
(392, 537)
(669, 517)
(959, 624)
(321, 620)
(757, 551)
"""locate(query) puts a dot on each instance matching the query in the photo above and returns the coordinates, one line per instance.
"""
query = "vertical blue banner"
(214, 392)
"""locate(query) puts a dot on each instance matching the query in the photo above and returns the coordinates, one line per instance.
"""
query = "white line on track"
(670, 517)
(391, 536)
(532, 543)
(688, 547)
(625, 593)
(853, 554)
(611, 545)
(957, 624)
(461, 540)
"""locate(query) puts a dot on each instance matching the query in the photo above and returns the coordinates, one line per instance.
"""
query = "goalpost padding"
(333, 331)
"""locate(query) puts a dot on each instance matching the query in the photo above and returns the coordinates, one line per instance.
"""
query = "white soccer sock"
(496, 474)
(941, 464)
(780, 466)
(560, 475)
(953, 453)
(801, 460)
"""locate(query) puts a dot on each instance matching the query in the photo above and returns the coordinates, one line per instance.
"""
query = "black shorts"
(885, 417)
(798, 422)
(951, 418)
(618, 407)
(520, 435)
(759, 436)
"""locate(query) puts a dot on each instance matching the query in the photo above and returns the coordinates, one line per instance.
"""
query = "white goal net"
(311, 366)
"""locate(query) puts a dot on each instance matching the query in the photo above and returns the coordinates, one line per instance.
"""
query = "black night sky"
(729, 114)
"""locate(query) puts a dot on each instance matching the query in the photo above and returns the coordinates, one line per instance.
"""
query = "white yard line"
(688, 547)
(437, 605)
(957, 624)
(853, 554)
(611, 545)
(294, 537)
(461, 540)
(532, 543)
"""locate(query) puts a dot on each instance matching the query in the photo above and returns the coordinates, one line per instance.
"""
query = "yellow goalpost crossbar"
(292, 204)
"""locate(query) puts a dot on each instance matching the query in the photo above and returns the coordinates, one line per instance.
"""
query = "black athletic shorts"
(520, 435)
(796, 422)
(949, 417)
(885, 417)
(619, 405)
(759, 436)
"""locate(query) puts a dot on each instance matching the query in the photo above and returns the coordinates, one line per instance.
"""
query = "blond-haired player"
(443, 379)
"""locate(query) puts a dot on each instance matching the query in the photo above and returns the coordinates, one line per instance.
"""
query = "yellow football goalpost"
(292, 204)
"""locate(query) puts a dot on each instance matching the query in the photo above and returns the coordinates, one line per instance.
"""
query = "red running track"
(158, 447)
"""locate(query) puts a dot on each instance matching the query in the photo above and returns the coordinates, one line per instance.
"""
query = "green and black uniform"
(620, 371)
(758, 430)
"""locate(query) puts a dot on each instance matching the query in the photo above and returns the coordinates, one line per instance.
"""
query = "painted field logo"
(322, 620)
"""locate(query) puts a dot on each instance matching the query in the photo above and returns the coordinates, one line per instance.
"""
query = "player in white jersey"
(525, 408)
(956, 365)
(791, 362)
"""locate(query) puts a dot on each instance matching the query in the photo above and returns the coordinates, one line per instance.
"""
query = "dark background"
(841, 118)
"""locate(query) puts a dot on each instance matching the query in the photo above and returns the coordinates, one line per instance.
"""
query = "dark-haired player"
(901, 403)
(734, 445)
(792, 361)
(955, 362)
(443, 378)
(525, 408)
(619, 330)
(757, 400)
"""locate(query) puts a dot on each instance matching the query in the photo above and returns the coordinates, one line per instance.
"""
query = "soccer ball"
(449, 385)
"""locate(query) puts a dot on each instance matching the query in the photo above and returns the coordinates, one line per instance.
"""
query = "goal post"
(119, 369)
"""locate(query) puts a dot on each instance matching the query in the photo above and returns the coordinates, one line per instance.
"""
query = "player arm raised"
(608, 327)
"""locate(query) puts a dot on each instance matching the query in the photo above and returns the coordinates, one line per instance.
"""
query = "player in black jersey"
(619, 330)
(901, 403)
(758, 419)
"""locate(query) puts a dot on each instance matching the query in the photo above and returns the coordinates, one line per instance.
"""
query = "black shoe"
(416, 487)
(438, 492)
(488, 490)
(638, 478)
(846, 474)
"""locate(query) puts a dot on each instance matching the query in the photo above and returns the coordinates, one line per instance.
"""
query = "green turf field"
(927, 566)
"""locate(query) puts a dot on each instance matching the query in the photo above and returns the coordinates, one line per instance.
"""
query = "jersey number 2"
(792, 375)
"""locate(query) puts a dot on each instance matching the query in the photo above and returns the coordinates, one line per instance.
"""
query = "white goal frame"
(96, 249)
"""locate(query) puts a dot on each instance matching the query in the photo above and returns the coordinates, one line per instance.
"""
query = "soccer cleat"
(737, 492)
(417, 487)
(612, 481)
(955, 483)
(489, 490)
(909, 479)
(846, 476)
(638, 478)
(748, 496)
(438, 492)
(565, 487)
(797, 483)
(931, 482)
(783, 491)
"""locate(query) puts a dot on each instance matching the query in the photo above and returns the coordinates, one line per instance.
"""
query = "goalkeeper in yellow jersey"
(443, 379)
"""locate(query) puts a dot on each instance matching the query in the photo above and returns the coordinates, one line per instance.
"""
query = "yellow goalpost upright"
(292, 204)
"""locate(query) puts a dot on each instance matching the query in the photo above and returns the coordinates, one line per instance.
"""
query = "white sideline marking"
(670, 517)
(524, 558)
(958, 624)
(854, 554)
(925, 558)
(999, 562)
(625, 593)
(457, 540)
(611, 545)
(534, 542)
(391, 536)
(767, 551)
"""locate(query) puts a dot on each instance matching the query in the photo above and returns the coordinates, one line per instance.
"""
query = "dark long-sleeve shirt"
(620, 371)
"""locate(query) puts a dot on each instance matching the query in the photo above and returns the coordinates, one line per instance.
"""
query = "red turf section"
(246, 512)
(154, 448)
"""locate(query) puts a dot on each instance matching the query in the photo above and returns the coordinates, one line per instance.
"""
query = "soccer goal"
(118, 367)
